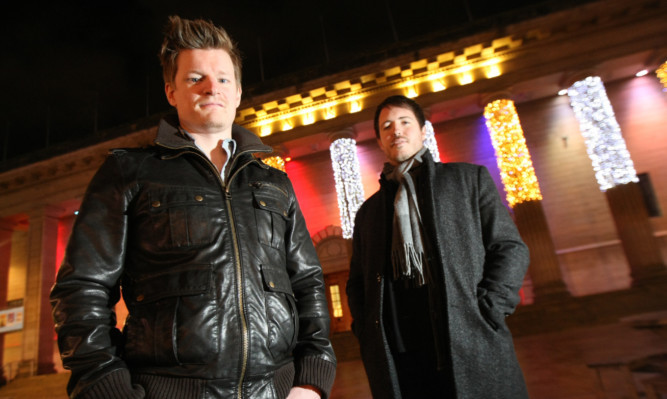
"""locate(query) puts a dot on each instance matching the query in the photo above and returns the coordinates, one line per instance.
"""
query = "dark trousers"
(419, 378)
(413, 346)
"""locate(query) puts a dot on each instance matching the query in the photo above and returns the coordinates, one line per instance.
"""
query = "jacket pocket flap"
(160, 199)
(276, 280)
(183, 281)
(272, 203)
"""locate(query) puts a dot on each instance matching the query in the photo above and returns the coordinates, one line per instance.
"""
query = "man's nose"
(212, 87)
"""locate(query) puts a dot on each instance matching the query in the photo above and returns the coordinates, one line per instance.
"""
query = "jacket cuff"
(115, 385)
(315, 371)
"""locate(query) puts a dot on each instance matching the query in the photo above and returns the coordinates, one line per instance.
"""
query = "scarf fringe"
(408, 263)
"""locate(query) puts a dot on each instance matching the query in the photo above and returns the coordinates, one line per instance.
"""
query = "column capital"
(571, 77)
(486, 98)
(47, 210)
(347, 133)
(8, 225)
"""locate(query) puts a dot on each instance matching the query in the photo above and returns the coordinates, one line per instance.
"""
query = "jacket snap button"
(155, 204)
(271, 284)
(140, 297)
(379, 278)
(285, 213)
(377, 323)
(199, 198)
(262, 203)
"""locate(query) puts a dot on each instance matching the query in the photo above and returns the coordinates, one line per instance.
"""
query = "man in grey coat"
(437, 265)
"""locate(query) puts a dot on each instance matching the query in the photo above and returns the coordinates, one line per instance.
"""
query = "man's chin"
(214, 125)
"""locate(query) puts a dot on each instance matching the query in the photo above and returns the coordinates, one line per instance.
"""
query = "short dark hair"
(184, 34)
(402, 102)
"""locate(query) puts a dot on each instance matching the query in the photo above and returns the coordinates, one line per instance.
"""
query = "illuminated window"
(335, 301)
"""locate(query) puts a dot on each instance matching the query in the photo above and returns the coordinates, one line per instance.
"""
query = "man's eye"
(223, 80)
(194, 79)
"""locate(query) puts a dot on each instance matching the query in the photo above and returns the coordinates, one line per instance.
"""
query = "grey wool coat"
(479, 262)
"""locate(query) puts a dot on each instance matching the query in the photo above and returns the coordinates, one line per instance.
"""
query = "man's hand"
(304, 393)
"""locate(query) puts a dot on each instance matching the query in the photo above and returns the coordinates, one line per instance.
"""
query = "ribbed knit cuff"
(315, 371)
(283, 379)
(116, 385)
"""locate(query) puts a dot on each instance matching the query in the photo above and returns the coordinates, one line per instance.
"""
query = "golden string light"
(516, 167)
(661, 72)
(276, 161)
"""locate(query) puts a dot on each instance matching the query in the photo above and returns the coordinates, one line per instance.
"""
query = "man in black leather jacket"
(209, 247)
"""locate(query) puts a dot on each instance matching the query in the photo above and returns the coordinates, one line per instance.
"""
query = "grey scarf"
(407, 247)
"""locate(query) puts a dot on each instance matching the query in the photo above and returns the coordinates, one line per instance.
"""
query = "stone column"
(347, 175)
(634, 229)
(544, 268)
(524, 196)
(38, 331)
(661, 73)
(617, 178)
(5, 256)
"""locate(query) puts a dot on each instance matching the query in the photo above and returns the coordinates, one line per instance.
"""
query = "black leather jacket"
(223, 286)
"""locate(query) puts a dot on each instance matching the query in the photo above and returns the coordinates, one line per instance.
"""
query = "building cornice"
(564, 41)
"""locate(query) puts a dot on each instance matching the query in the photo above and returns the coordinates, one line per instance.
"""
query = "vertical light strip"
(661, 72)
(516, 167)
(605, 144)
(347, 174)
(430, 143)
(276, 161)
(336, 304)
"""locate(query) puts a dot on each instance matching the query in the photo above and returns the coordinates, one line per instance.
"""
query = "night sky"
(73, 70)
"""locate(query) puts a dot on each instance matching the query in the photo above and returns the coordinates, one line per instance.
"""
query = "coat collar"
(170, 136)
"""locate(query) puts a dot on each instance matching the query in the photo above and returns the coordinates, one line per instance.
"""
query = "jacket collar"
(170, 136)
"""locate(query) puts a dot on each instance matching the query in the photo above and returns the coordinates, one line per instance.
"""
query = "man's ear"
(169, 92)
(238, 97)
(424, 132)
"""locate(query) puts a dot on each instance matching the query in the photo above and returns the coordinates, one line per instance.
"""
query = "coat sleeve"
(506, 255)
(355, 283)
(87, 288)
(315, 361)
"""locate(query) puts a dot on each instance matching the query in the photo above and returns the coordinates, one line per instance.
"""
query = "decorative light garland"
(605, 144)
(347, 174)
(276, 161)
(661, 72)
(516, 167)
(430, 143)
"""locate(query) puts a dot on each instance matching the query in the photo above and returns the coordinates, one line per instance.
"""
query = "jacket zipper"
(237, 261)
(239, 284)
